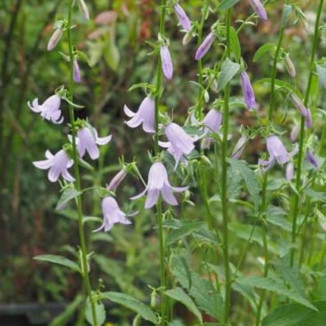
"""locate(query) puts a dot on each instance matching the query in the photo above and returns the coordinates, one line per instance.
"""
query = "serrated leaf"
(100, 313)
(271, 285)
(59, 260)
(131, 303)
(226, 4)
(267, 47)
(179, 295)
(67, 195)
(228, 70)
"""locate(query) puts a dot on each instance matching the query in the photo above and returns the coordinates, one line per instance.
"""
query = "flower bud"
(54, 39)
(167, 65)
(182, 17)
(83, 9)
(76, 70)
(187, 38)
(289, 172)
(205, 46)
(116, 180)
(289, 66)
(248, 91)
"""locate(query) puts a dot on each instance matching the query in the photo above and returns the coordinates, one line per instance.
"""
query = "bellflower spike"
(248, 92)
(259, 9)
(179, 142)
(239, 147)
(310, 157)
(205, 46)
(76, 72)
(166, 60)
(49, 110)
(158, 183)
(182, 17)
(54, 39)
(212, 123)
(145, 115)
(57, 164)
(87, 141)
(277, 153)
(112, 214)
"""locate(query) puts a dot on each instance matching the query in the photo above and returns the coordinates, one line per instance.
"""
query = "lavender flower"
(76, 71)
(259, 9)
(182, 17)
(306, 113)
(158, 183)
(117, 179)
(248, 92)
(54, 39)
(239, 147)
(212, 123)
(87, 141)
(57, 164)
(112, 214)
(277, 153)
(289, 172)
(83, 9)
(167, 65)
(49, 110)
(179, 142)
(145, 115)
(205, 46)
(311, 158)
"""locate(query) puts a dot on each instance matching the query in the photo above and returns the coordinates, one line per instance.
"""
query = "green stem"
(295, 210)
(82, 240)
(225, 200)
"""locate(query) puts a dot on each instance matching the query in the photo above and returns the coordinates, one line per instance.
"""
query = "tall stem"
(82, 240)
(225, 201)
(156, 149)
(297, 194)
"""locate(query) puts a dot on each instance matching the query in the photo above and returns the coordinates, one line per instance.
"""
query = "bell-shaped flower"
(259, 9)
(112, 214)
(87, 141)
(54, 39)
(179, 142)
(248, 91)
(311, 158)
(205, 46)
(277, 152)
(166, 60)
(145, 115)
(212, 123)
(182, 17)
(305, 112)
(57, 165)
(158, 183)
(49, 110)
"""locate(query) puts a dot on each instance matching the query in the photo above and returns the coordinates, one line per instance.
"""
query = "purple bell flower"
(76, 72)
(182, 17)
(54, 39)
(205, 46)
(277, 153)
(158, 183)
(179, 142)
(212, 123)
(306, 113)
(117, 179)
(248, 91)
(49, 110)
(87, 141)
(311, 158)
(112, 214)
(166, 60)
(259, 9)
(57, 164)
(239, 147)
(145, 115)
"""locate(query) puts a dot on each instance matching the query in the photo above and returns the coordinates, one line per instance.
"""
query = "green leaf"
(235, 44)
(271, 285)
(287, 10)
(267, 47)
(59, 260)
(228, 70)
(67, 195)
(226, 4)
(179, 295)
(279, 84)
(100, 313)
(132, 304)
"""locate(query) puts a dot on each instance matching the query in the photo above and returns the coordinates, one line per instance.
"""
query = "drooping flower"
(54, 39)
(145, 115)
(57, 164)
(305, 112)
(277, 152)
(248, 91)
(212, 123)
(311, 158)
(83, 9)
(182, 17)
(49, 110)
(179, 142)
(87, 141)
(259, 9)
(205, 46)
(76, 72)
(239, 147)
(166, 60)
(289, 172)
(112, 214)
(158, 183)
(117, 179)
